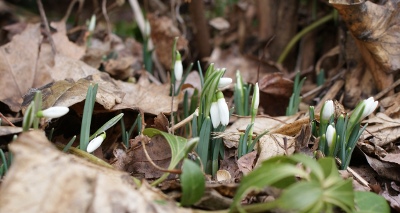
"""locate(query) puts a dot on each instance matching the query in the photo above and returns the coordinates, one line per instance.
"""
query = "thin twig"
(104, 10)
(174, 171)
(46, 26)
(383, 92)
(184, 121)
(358, 177)
(5, 119)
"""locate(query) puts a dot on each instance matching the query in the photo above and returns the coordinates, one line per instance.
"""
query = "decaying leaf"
(246, 162)
(112, 94)
(43, 179)
(17, 65)
(271, 145)
(68, 92)
(384, 129)
(163, 33)
(9, 130)
(375, 28)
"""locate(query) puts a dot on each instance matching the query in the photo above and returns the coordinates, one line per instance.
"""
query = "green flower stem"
(299, 35)
(87, 156)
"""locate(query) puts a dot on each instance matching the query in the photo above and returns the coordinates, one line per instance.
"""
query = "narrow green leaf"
(87, 116)
(193, 183)
(369, 202)
(194, 101)
(69, 144)
(4, 161)
(252, 144)
(200, 74)
(28, 117)
(107, 125)
(37, 107)
(204, 143)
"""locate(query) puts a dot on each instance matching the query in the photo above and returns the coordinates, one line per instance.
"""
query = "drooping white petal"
(370, 106)
(327, 110)
(330, 134)
(256, 96)
(53, 112)
(223, 82)
(214, 114)
(178, 67)
(223, 111)
(96, 142)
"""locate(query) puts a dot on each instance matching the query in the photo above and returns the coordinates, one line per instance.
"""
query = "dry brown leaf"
(163, 33)
(387, 170)
(17, 65)
(232, 60)
(391, 105)
(66, 67)
(262, 124)
(120, 68)
(43, 179)
(384, 129)
(375, 28)
(69, 92)
(246, 162)
(135, 161)
(273, 145)
(63, 45)
(9, 130)
(152, 99)
(275, 91)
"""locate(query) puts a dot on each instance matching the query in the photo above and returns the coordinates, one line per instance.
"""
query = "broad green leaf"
(341, 194)
(316, 170)
(193, 183)
(107, 125)
(302, 197)
(179, 148)
(269, 173)
(369, 202)
(328, 167)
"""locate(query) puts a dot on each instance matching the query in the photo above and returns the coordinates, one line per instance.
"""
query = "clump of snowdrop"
(338, 137)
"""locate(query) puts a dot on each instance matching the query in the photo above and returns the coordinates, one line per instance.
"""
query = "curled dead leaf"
(47, 180)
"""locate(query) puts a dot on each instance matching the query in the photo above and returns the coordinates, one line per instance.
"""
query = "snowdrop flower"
(96, 142)
(365, 108)
(223, 82)
(327, 111)
(53, 112)
(178, 68)
(214, 114)
(256, 97)
(222, 109)
(370, 106)
(92, 23)
(330, 136)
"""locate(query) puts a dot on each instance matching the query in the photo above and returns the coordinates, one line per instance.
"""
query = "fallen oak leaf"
(76, 185)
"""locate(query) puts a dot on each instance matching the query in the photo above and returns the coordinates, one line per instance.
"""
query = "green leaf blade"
(193, 183)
